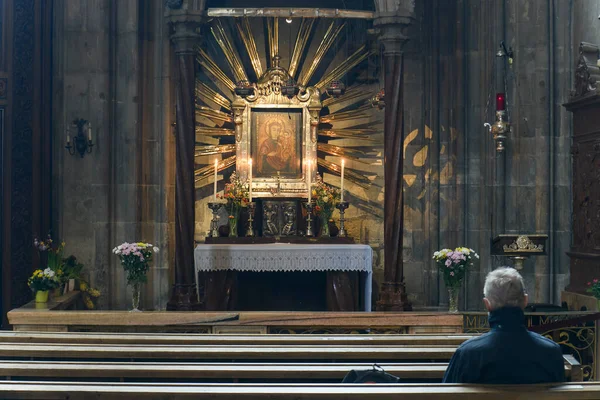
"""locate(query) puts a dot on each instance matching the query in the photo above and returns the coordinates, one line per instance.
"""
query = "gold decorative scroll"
(360, 112)
(356, 58)
(303, 34)
(211, 150)
(273, 33)
(286, 12)
(523, 245)
(204, 91)
(349, 174)
(330, 36)
(207, 170)
(209, 65)
(214, 115)
(243, 27)
(210, 131)
(229, 51)
(354, 93)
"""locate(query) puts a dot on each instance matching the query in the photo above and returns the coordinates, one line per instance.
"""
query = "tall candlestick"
(250, 180)
(90, 131)
(342, 181)
(308, 179)
(215, 183)
(68, 138)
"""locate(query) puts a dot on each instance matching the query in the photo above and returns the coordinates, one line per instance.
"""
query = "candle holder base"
(309, 207)
(342, 206)
(214, 227)
(250, 230)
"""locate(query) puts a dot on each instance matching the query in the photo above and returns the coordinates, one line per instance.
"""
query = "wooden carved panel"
(586, 197)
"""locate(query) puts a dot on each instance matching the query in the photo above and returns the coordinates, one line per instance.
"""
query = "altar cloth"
(284, 257)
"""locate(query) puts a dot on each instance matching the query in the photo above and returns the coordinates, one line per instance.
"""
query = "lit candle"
(68, 136)
(90, 131)
(342, 181)
(250, 180)
(308, 179)
(215, 183)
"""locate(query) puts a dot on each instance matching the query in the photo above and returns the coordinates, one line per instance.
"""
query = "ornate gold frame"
(267, 95)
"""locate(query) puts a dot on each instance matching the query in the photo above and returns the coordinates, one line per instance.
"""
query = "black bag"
(375, 375)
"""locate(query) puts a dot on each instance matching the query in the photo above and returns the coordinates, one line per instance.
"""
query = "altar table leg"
(220, 290)
(342, 293)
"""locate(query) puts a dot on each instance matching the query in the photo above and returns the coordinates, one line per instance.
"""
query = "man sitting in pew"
(509, 353)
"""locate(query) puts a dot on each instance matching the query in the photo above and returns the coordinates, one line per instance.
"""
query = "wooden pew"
(204, 339)
(265, 372)
(155, 391)
(221, 352)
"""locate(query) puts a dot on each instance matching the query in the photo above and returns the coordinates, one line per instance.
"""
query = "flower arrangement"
(50, 252)
(326, 197)
(135, 258)
(454, 263)
(71, 268)
(235, 194)
(594, 288)
(43, 280)
(90, 295)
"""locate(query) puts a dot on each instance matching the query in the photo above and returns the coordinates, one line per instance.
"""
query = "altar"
(337, 260)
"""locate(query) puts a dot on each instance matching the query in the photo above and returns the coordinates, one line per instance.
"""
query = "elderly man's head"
(504, 288)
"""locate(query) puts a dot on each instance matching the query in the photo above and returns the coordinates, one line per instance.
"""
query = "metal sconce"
(81, 144)
(290, 88)
(244, 89)
(336, 88)
(379, 100)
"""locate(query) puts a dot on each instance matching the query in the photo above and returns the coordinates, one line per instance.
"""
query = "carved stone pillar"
(185, 37)
(393, 37)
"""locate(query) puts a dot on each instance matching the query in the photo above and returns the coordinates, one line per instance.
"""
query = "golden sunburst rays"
(213, 69)
(273, 34)
(330, 37)
(304, 31)
(243, 27)
(214, 149)
(361, 112)
(229, 51)
(202, 175)
(211, 131)
(342, 69)
(207, 94)
(367, 134)
(354, 94)
(219, 117)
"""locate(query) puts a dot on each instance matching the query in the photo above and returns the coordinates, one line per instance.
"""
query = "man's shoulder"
(475, 342)
(543, 341)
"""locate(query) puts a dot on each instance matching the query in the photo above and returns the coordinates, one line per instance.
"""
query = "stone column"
(393, 37)
(185, 37)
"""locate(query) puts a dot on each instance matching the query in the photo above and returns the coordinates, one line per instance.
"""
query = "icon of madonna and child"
(277, 146)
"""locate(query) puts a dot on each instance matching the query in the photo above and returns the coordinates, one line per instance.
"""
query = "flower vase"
(135, 296)
(324, 218)
(453, 299)
(233, 225)
(41, 296)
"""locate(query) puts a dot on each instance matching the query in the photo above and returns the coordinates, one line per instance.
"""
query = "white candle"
(215, 183)
(342, 181)
(250, 180)
(308, 179)
(68, 138)
(90, 132)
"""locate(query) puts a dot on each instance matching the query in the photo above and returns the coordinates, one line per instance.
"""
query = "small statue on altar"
(290, 220)
(270, 226)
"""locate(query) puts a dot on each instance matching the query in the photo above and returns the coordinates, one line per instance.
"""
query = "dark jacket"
(508, 354)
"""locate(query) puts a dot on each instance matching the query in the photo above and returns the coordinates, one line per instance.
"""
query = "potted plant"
(236, 196)
(326, 198)
(41, 282)
(50, 253)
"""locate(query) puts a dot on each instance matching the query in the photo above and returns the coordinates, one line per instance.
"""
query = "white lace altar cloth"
(284, 257)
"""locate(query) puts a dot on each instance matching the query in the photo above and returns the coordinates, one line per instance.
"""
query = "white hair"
(504, 288)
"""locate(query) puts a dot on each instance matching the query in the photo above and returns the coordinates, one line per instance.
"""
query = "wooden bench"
(265, 372)
(155, 391)
(205, 339)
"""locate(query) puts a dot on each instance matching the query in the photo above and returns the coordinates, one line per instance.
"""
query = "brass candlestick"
(250, 230)
(309, 208)
(342, 206)
(214, 228)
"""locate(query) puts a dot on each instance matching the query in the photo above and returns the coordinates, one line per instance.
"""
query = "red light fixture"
(500, 102)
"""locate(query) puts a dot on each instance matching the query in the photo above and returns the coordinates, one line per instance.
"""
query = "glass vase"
(135, 296)
(453, 299)
(233, 225)
(324, 217)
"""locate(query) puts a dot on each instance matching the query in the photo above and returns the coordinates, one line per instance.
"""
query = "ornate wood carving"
(587, 71)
